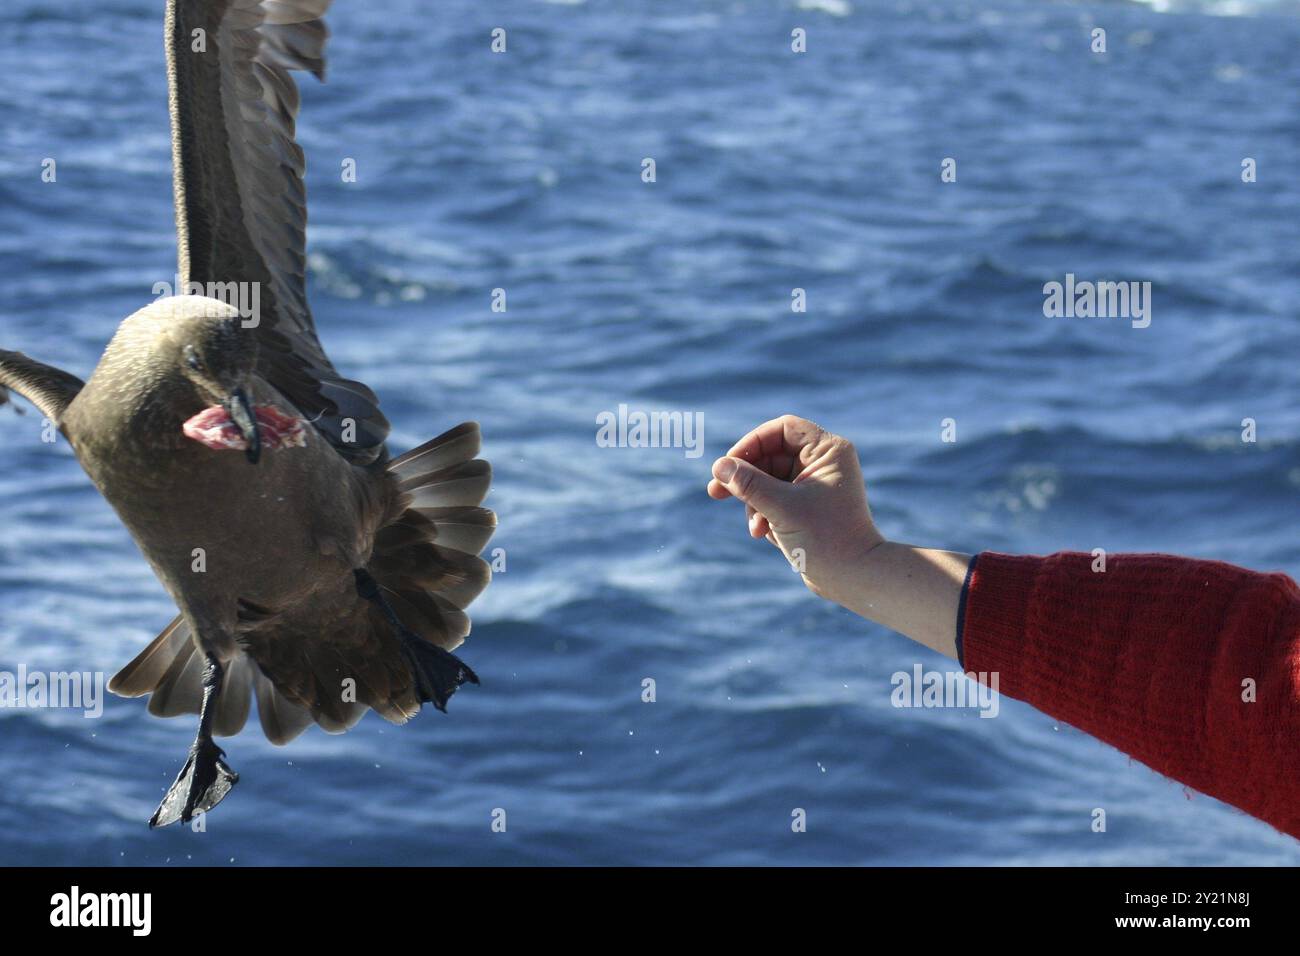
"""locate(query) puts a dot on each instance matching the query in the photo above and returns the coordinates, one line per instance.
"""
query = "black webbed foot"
(437, 672)
(202, 783)
(205, 779)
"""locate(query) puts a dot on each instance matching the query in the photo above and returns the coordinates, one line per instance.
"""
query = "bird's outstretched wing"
(241, 207)
(50, 389)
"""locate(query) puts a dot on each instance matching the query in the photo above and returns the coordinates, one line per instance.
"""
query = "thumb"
(755, 487)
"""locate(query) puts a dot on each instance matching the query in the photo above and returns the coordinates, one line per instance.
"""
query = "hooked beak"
(240, 410)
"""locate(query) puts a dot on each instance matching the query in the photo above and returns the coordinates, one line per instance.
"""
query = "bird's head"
(215, 353)
(202, 346)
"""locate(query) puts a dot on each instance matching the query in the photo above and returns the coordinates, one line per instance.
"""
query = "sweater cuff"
(961, 608)
(996, 595)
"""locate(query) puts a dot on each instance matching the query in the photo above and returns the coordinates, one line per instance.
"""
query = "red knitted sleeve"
(1192, 667)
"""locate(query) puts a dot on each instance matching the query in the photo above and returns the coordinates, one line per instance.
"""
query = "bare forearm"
(915, 591)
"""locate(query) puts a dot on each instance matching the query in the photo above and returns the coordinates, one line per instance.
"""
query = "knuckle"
(743, 481)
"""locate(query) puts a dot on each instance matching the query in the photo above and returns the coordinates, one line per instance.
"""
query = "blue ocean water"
(522, 171)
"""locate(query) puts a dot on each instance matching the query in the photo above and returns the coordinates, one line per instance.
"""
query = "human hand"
(802, 489)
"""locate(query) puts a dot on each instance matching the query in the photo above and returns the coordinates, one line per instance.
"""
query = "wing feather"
(241, 206)
(50, 389)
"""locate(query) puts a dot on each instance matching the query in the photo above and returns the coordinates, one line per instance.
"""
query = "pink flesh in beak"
(213, 429)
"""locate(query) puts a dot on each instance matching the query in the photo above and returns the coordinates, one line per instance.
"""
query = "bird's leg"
(437, 672)
(205, 779)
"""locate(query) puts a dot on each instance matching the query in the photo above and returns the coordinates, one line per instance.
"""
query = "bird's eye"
(192, 359)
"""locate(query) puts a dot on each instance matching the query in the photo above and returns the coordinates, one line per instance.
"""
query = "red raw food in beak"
(214, 429)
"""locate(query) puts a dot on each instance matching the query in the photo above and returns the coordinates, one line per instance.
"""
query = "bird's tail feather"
(427, 560)
(146, 672)
(282, 720)
(171, 670)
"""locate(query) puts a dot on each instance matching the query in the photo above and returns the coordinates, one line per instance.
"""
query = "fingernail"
(724, 469)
